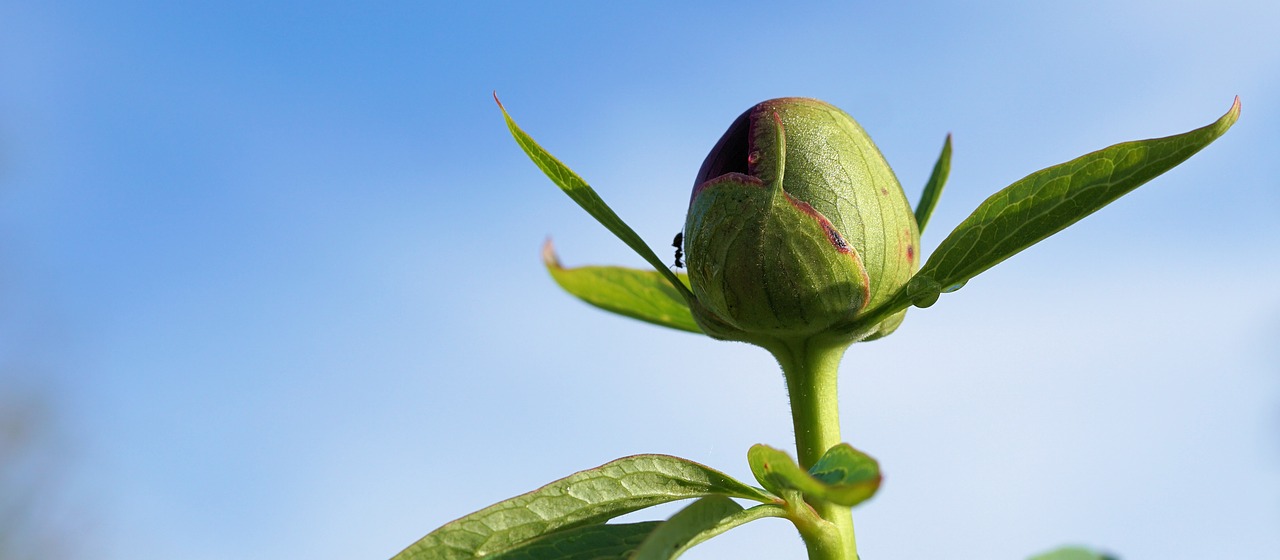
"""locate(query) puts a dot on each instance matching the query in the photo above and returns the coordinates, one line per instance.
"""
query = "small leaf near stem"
(843, 475)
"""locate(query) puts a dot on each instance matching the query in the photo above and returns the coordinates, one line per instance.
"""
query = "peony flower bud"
(796, 227)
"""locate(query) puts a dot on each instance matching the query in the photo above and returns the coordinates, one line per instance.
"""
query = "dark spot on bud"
(884, 190)
(753, 157)
(835, 237)
(911, 253)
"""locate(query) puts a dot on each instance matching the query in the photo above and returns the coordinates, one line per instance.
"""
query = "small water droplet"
(752, 158)
(922, 291)
(954, 287)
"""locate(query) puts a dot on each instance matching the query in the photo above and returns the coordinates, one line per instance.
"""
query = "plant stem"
(812, 371)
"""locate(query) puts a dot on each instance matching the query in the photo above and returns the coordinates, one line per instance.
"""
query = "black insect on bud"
(678, 243)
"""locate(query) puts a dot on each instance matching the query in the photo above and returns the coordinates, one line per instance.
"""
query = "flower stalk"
(811, 369)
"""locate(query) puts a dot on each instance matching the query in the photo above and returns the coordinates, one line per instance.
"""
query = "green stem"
(812, 370)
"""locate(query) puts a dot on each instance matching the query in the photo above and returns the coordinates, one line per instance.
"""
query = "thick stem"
(812, 370)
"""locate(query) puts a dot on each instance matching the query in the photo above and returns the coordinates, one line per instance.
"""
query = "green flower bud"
(796, 227)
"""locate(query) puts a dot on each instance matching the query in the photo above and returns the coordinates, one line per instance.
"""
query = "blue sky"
(274, 268)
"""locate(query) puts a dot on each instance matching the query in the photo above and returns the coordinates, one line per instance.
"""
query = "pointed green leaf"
(587, 498)
(592, 542)
(1072, 553)
(843, 475)
(1051, 199)
(933, 188)
(722, 525)
(639, 294)
(586, 197)
(663, 540)
(670, 538)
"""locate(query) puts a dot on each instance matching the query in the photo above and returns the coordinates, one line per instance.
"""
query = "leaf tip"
(549, 257)
(1229, 119)
(505, 114)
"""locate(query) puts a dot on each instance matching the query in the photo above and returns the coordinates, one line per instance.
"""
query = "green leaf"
(589, 497)
(586, 197)
(697, 523)
(671, 537)
(1048, 201)
(1072, 553)
(649, 540)
(933, 188)
(592, 542)
(639, 294)
(843, 475)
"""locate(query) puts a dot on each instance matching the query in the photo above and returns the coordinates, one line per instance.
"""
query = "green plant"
(800, 240)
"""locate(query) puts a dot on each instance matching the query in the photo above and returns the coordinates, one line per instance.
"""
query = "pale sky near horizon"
(275, 268)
